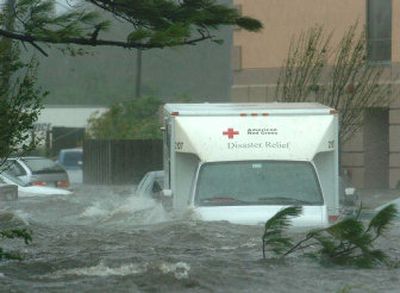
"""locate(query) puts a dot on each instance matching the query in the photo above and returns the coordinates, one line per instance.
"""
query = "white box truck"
(244, 162)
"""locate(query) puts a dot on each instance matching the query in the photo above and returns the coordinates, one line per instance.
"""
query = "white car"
(39, 171)
(26, 190)
(151, 184)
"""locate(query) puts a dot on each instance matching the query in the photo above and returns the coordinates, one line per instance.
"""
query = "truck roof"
(213, 109)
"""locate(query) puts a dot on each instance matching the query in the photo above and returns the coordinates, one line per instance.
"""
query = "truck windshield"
(258, 183)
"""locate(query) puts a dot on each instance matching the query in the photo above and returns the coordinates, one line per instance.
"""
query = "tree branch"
(32, 39)
(37, 47)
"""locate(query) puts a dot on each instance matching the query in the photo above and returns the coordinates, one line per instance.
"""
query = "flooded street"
(103, 241)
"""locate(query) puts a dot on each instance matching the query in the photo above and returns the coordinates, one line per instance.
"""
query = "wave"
(101, 270)
(136, 210)
(179, 270)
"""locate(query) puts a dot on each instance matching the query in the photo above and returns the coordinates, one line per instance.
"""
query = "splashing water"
(101, 270)
(137, 210)
(106, 241)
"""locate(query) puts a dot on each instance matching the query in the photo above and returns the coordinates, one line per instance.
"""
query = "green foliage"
(20, 101)
(339, 77)
(350, 243)
(274, 228)
(14, 234)
(20, 104)
(381, 222)
(17, 233)
(249, 23)
(135, 119)
(347, 242)
(153, 23)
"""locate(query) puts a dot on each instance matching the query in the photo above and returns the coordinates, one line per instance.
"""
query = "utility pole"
(138, 85)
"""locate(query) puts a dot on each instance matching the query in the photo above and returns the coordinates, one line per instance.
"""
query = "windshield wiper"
(222, 200)
(285, 200)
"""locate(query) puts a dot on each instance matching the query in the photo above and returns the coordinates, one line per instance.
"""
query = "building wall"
(257, 59)
(396, 33)
(284, 19)
(68, 116)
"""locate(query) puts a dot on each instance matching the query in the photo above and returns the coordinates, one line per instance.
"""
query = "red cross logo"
(230, 133)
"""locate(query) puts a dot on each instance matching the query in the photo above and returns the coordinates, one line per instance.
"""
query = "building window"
(379, 30)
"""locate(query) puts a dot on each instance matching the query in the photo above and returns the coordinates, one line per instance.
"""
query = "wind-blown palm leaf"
(381, 221)
(349, 242)
(281, 220)
(274, 228)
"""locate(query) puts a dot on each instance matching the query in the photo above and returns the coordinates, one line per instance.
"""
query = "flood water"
(99, 240)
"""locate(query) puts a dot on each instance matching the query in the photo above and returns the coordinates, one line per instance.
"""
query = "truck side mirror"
(167, 192)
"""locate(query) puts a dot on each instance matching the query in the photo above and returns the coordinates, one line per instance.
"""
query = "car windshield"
(72, 159)
(258, 183)
(151, 181)
(42, 165)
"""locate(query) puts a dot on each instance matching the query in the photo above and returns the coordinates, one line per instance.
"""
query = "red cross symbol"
(230, 133)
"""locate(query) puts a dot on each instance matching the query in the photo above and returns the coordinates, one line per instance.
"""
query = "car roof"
(28, 157)
(35, 158)
(72, 150)
(158, 173)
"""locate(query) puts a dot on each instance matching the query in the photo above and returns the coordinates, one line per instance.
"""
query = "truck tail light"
(63, 184)
(333, 218)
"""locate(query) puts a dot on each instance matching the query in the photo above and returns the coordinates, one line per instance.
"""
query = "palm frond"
(275, 227)
(381, 221)
(281, 220)
(349, 242)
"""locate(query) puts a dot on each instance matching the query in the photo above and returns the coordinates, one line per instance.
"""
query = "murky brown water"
(100, 241)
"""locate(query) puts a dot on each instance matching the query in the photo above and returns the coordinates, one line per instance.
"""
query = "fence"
(120, 161)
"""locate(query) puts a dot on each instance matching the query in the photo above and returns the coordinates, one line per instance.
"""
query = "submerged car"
(72, 162)
(151, 184)
(26, 189)
(39, 171)
(71, 158)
